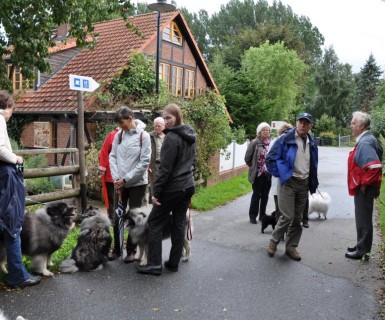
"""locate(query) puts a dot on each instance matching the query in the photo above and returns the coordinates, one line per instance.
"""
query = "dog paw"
(46, 273)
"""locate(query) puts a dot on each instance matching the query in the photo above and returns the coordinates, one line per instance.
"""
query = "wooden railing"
(53, 171)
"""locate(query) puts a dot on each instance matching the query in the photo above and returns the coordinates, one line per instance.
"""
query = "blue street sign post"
(80, 84)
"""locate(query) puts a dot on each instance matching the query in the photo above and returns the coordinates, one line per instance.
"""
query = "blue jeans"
(16, 271)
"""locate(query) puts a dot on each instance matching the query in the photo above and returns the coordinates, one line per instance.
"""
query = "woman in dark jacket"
(173, 190)
(12, 200)
(258, 176)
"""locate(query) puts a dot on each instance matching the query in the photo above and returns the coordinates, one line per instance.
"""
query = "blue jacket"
(281, 157)
(12, 198)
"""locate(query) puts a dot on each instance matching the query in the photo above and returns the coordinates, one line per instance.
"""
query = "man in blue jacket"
(294, 159)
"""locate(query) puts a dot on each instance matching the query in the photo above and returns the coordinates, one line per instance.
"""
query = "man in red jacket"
(364, 182)
(108, 188)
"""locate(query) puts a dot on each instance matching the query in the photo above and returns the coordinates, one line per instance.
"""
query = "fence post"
(82, 162)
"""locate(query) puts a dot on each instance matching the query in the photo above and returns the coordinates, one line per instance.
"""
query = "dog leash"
(189, 229)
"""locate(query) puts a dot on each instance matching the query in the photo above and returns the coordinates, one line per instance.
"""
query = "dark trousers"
(364, 203)
(177, 203)
(133, 197)
(260, 196)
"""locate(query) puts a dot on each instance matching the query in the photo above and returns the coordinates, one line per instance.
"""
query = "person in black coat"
(173, 190)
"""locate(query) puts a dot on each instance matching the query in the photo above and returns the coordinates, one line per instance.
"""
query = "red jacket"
(364, 164)
(104, 164)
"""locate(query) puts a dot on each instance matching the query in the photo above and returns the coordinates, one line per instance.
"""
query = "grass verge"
(380, 203)
(211, 197)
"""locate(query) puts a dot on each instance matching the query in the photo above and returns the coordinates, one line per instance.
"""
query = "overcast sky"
(355, 28)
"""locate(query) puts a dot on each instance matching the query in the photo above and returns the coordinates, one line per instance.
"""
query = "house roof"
(115, 43)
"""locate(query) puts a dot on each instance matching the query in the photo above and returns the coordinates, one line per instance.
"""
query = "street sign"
(81, 83)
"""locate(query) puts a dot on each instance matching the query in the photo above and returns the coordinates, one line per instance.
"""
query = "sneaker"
(293, 254)
(31, 281)
(113, 256)
(272, 248)
(305, 224)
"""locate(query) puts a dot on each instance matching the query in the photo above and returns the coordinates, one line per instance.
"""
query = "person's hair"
(123, 113)
(363, 118)
(176, 112)
(159, 119)
(285, 126)
(6, 100)
(262, 126)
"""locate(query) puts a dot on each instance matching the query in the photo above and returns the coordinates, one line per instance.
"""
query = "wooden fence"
(73, 169)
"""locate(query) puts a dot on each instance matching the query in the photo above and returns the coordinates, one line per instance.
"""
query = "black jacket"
(177, 160)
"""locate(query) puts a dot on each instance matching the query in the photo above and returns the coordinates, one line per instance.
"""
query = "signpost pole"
(82, 161)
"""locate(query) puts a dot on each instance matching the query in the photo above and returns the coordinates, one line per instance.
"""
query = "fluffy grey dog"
(94, 241)
(43, 233)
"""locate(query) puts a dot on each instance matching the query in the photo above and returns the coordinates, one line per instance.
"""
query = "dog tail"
(68, 266)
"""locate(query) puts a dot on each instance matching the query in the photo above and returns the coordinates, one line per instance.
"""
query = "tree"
(335, 89)
(267, 86)
(378, 112)
(242, 24)
(368, 84)
(28, 26)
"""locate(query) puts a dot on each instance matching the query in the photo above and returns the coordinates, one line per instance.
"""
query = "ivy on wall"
(15, 126)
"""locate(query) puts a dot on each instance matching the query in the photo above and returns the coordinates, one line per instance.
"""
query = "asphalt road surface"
(229, 275)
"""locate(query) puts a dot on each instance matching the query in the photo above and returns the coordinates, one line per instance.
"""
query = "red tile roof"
(114, 44)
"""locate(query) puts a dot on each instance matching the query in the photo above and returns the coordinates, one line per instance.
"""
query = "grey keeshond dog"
(93, 243)
(43, 233)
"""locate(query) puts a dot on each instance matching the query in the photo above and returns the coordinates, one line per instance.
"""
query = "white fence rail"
(233, 156)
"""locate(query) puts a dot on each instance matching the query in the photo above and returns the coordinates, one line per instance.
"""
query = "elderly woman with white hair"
(258, 176)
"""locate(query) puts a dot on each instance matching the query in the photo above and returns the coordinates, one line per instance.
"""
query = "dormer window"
(172, 33)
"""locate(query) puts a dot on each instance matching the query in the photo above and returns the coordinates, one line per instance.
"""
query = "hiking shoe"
(113, 256)
(129, 258)
(305, 224)
(293, 254)
(272, 248)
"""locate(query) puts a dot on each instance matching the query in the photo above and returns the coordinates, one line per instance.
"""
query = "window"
(42, 134)
(189, 87)
(18, 82)
(172, 33)
(164, 74)
(176, 81)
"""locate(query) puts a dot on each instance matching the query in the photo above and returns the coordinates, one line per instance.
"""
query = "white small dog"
(319, 203)
(3, 317)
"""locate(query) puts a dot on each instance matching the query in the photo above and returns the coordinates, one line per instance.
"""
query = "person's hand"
(155, 201)
(19, 160)
(101, 173)
(363, 189)
(149, 171)
(118, 184)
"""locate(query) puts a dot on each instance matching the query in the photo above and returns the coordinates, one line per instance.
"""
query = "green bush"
(39, 185)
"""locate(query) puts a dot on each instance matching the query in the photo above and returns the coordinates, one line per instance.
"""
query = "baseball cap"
(306, 116)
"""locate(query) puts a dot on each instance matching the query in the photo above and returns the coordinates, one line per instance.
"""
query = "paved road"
(229, 275)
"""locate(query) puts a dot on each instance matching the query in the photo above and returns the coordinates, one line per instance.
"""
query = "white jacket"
(6, 153)
(130, 159)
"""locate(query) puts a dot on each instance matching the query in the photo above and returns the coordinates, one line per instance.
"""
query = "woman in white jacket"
(129, 160)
